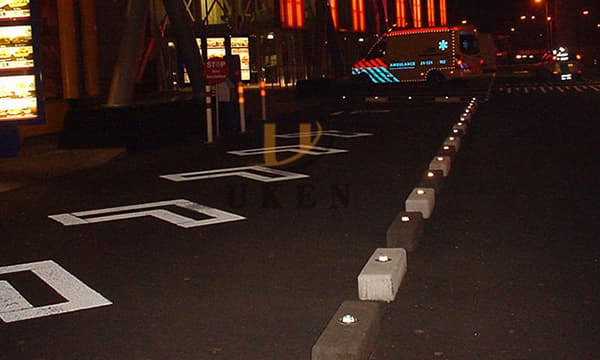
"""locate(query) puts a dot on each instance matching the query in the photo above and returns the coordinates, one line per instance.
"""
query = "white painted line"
(331, 133)
(526, 90)
(129, 212)
(14, 307)
(578, 88)
(542, 89)
(374, 111)
(337, 113)
(297, 149)
(595, 87)
(248, 172)
(560, 89)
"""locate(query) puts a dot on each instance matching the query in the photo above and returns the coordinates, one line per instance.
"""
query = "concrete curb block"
(447, 150)
(452, 141)
(433, 179)
(405, 231)
(460, 126)
(421, 200)
(382, 275)
(442, 163)
(344, 339)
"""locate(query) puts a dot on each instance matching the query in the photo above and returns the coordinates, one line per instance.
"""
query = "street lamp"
(548, 20)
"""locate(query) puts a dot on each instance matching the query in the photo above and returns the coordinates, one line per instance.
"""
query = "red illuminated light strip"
(358, 15)
(291, 13)
(361, 14)
(299, 14)
(419, 31)
(430, 12)
(354, 15)
(401, 14)
(417, 13)
(334, 15)
(282, 16)
(442, 12)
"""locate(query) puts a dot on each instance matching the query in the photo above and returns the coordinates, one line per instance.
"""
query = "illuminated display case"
(239, 45)
(11, 10)
(20, 78)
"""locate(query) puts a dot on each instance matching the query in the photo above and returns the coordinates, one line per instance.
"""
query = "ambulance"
(434, 55)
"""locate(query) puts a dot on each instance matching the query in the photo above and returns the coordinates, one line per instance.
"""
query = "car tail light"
(578, 57)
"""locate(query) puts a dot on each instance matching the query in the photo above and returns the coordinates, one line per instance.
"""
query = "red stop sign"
(215, 70)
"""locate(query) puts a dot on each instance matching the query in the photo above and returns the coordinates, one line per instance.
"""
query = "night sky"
(497, 16)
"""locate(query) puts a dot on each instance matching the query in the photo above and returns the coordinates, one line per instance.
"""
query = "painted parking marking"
(370, 111)
(155, 209)
(296, 149)
(560, 89)
(331, 133)
(595, 87)
(578, 88)
(78, 296)
(258, 173)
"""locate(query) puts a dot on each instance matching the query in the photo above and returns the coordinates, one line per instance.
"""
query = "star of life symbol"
(442, 45)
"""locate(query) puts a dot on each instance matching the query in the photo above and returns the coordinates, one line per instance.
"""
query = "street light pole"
(549, 20)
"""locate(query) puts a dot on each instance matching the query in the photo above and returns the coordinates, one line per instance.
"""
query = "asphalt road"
(507, 268)
(510, 262)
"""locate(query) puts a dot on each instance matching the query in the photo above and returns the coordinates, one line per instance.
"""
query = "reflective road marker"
(258, 173)
(296, 149)
(14, 307)
(133, 211)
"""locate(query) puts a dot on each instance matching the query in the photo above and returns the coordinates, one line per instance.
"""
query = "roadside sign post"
(209, 130)
(242, 101)
(216, 71)
(263, 102)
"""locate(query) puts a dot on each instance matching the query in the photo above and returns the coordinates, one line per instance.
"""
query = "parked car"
(559, 64)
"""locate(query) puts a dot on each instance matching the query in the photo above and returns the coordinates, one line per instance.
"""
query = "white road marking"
(129, 212)
(297, 149)
(331, 133)
(14, 307)
(595, 87)
(248, 172)
(373, 111)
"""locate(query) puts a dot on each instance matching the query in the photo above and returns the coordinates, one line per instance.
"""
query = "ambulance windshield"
(469, 44)
(377, 51)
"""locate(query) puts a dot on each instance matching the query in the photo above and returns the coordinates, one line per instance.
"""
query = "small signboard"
(216, 70)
